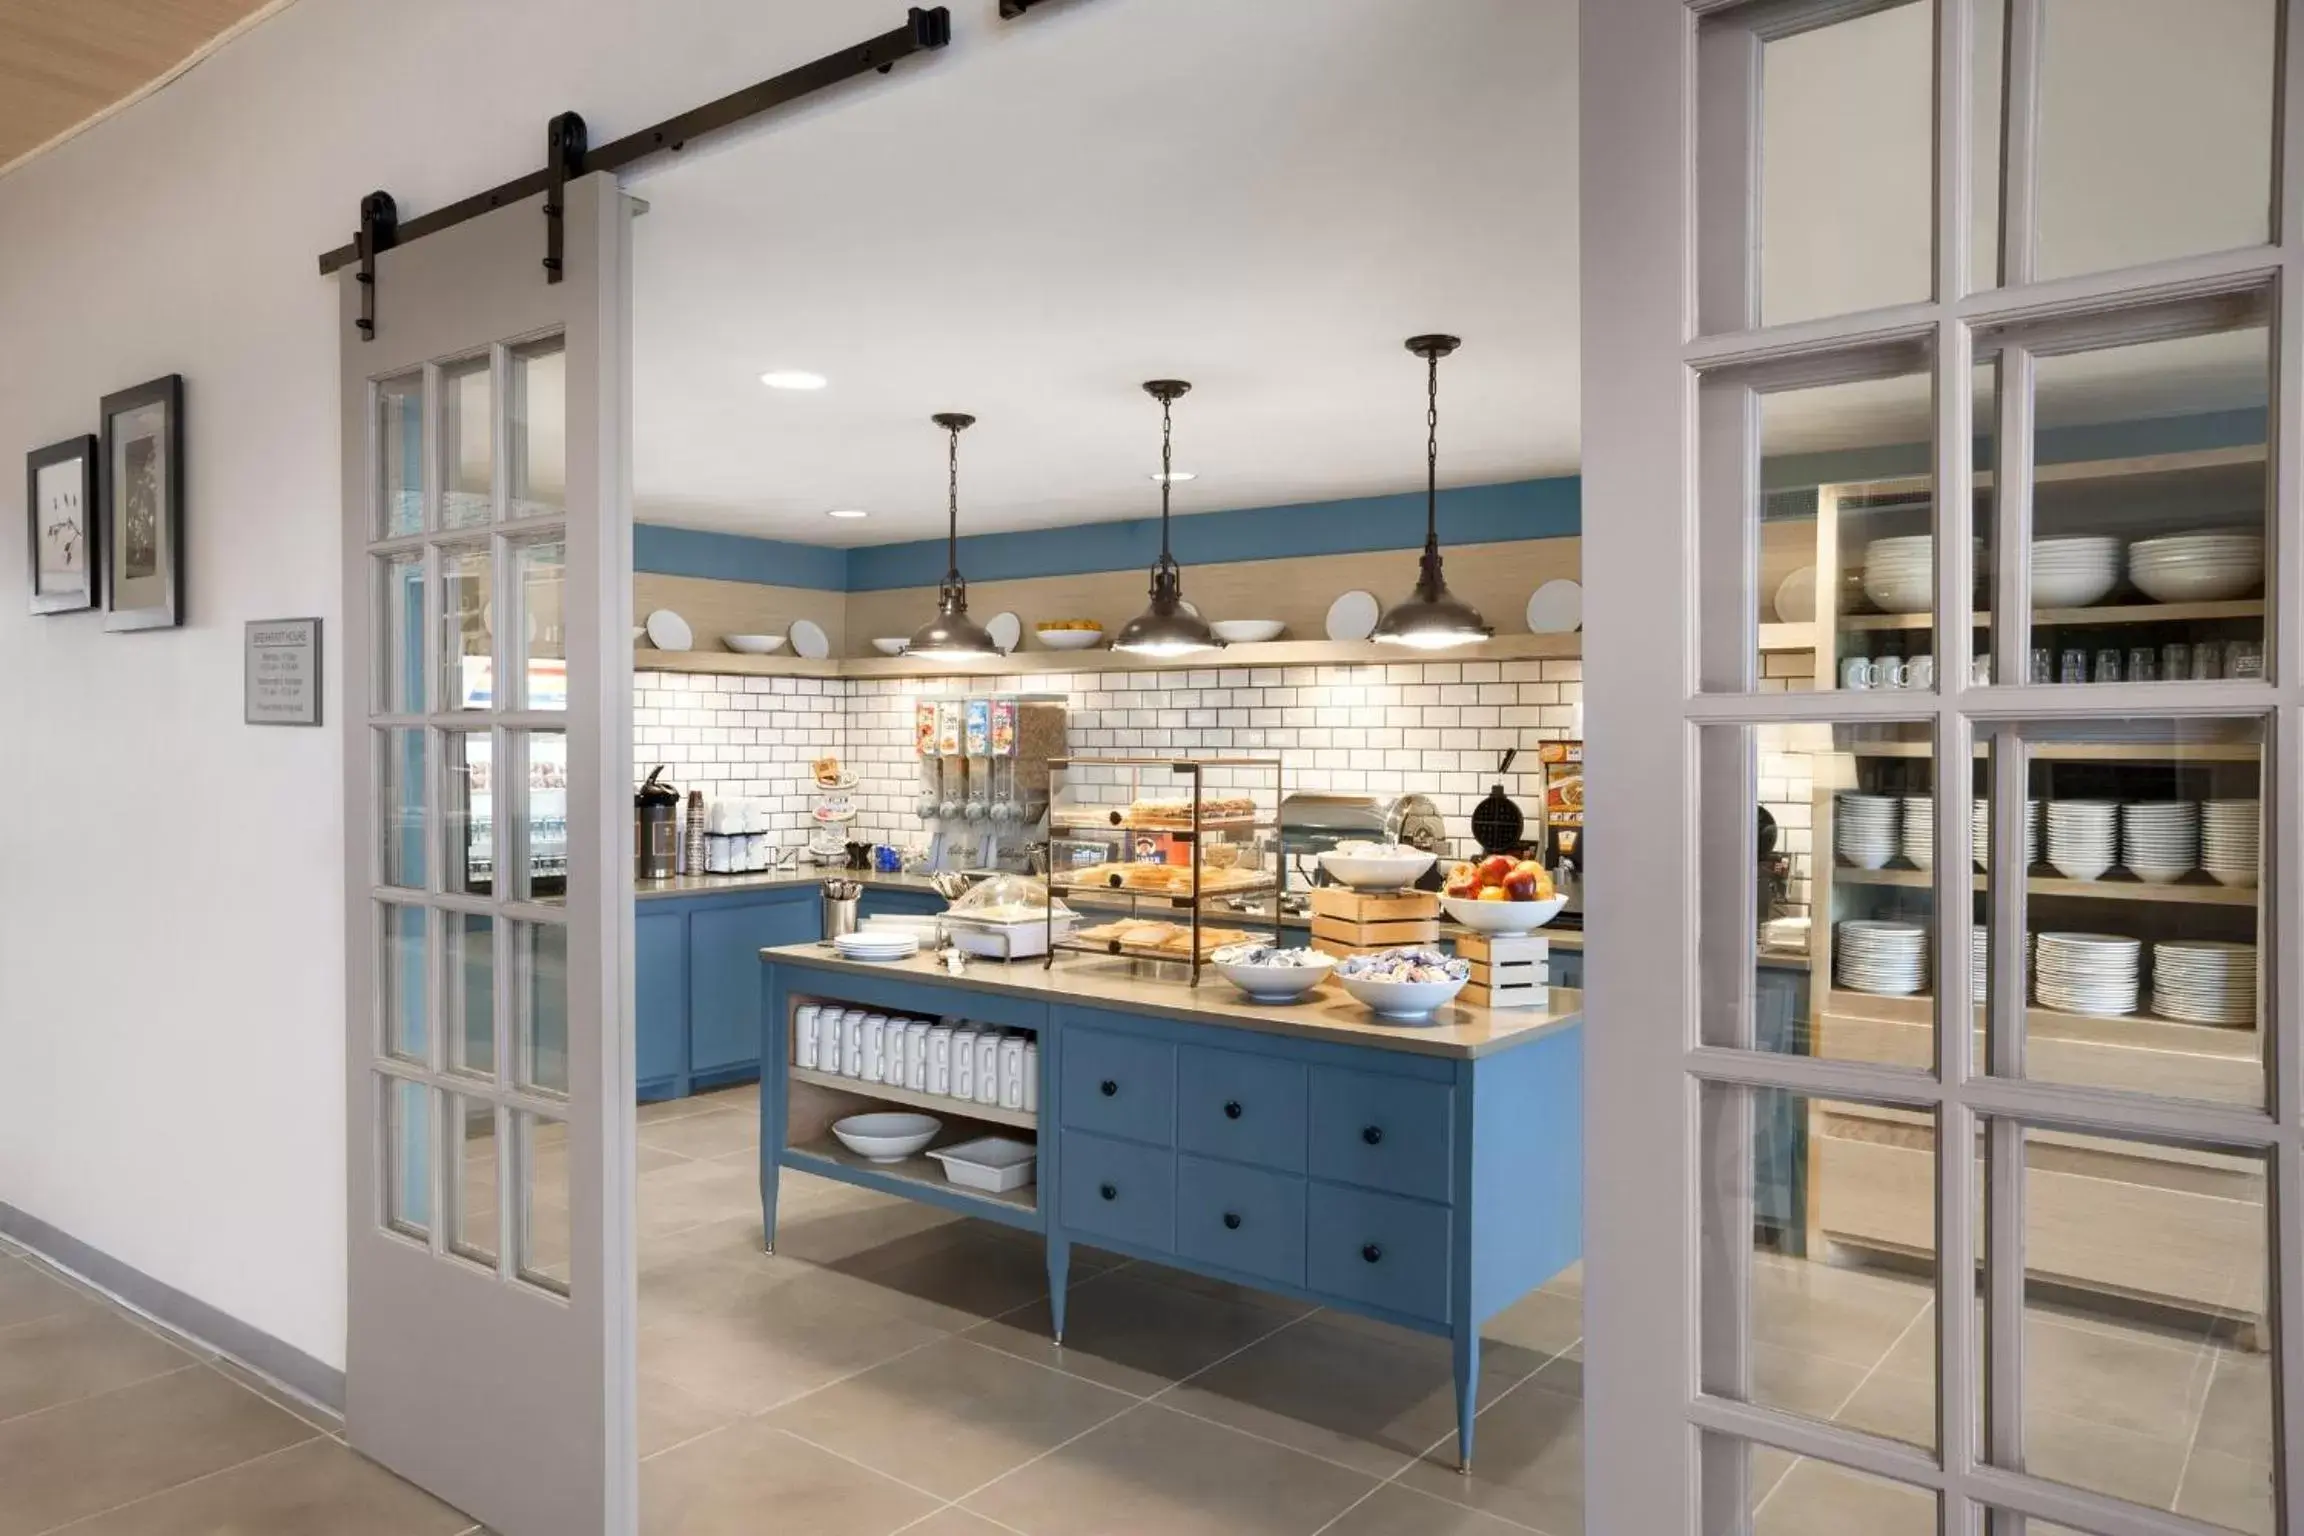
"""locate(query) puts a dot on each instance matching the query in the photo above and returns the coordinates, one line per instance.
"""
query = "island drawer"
(1119, 1190)
(1251, 1109)
(1120, 1085)
(1388, 1133)
(1379, 1250)
(1242, 1219)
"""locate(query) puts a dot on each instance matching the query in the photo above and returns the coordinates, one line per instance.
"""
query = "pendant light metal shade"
(1432, 618)
(1167, 627)
(952, 635)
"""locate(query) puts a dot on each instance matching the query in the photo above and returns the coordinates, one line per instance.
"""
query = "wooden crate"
(1513, 972)
(1524, 993)
(1377, 935)
(1350, 906)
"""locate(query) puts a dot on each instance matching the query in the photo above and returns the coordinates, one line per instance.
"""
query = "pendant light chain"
(1167, 463)
(1432, 448)
(952, 533)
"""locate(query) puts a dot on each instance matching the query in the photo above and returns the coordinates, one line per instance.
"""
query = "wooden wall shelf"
(1026, 663)
(2121, 888)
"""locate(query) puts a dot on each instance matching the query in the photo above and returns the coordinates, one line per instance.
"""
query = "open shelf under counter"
(2120, 613)
(2187, 892)
(940, 1104)
(826, 1156)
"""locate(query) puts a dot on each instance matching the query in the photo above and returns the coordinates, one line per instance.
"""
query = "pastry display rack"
(1148, 842)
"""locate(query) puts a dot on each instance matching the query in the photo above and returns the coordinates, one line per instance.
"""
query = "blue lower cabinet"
(1379, 1250)
(660, 1018)
(1119, 1190)
(1242, 1219)
(1250, 1109)
(1119, 1085)
(1566, 967)
(1385, 1132)
(724, 944)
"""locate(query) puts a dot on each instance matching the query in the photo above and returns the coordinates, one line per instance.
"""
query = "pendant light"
(1168, 627)
(1432, 618)
(952, 635)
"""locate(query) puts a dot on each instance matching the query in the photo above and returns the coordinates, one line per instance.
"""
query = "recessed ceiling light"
(793, 378)
(845, 512)
(1174, 476)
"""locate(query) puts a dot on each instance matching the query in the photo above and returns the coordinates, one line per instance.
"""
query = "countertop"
(768, 879)
(1328, 1013)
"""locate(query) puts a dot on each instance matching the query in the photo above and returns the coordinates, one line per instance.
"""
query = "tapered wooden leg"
(1467, 1341)
(1059, 1281)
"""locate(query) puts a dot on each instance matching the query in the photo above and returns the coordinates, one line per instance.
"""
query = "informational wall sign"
(283, 672)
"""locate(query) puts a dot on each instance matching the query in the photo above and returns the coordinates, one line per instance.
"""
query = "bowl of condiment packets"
(1269, 974)
(1404, 983)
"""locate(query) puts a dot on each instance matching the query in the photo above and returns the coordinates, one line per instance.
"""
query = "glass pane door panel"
(472, 1178)
(540, 570)
(538, 416)
(467, 445)
(1819, 1241)
(1846, 219)
(1872, 806)
(467, 612)
(402, 824)
(2156, 127)
(538, 823)
(540, 1005)
(470, 975)
(399, 681)
(541, 1187)
(1787, 1495)
(401, 973)
(468, 819)
(2148, 511)
(400, 456)
(408, 1153)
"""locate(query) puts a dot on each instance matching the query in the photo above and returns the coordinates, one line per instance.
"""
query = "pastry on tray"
(1178, 813)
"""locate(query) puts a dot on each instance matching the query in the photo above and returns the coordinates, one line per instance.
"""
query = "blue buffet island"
(1428, 1176)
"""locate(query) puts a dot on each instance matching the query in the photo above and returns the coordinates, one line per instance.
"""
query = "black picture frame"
(142, 485)
(45, 520)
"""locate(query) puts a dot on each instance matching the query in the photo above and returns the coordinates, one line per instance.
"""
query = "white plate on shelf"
(667, 631)
(1796, 597)
(1353, 616)
(1556, 608)
(809, 640)
(1006, 630)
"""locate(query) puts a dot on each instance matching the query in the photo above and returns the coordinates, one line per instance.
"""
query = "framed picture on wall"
(143, 500)
(60, 510)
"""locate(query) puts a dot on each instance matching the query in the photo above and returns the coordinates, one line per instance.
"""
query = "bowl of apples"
(1501, 895)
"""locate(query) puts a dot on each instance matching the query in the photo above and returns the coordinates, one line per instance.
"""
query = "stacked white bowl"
(2231, 838)
(1883, 955)
(1979, 953)
(1980, 833)
(2099, 973)
(1864, 828)
(1919, 837)
(2083, 837)
(2204, 567)
(1900, 573)
(2203, 981)
(2074, 572)
(2160, 839)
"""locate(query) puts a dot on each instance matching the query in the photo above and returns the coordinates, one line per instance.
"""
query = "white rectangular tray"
(992, 1163)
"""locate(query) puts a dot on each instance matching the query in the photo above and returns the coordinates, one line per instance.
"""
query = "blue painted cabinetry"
(697, 983)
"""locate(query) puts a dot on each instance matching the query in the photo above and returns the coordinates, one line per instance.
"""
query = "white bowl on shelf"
(886, 1136)
(753, 645)
(2206, 567)
(1403, 999)
(1070, 639)
(1247, 631)
(1502, 917)
(890, 645)
(1376, 871)
(1275, 983)
(2076, 572)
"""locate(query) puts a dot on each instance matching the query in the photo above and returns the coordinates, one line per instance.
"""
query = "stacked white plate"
(1980, 833)
(2083, 837)
(877, 944)
(2074, 572)
(2160, 839)
(2231, 838)
(2099, 973)
(1864, 828)
(2202, 567)
(1885, 955)
(2202, 981)
(1919, 839)
(1979, 953)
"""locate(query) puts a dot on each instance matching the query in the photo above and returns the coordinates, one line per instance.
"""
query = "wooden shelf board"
(2134, 1030)
(2082, 751)
(2118, 888)
(833, 1158)
(1272, 653)
(732, 664)
(2121, 613)
(1787, 637)
(2081, 471)
(933, 1103)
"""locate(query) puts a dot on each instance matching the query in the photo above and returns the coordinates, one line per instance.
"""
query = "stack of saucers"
(1919, 840)
(2160, 839)
(2202, 981)
(2198, 567)
(2097, 973)
(2083, 837)
(1880, 955)
(1864, 828)
(2231, 838)
(1980, 833)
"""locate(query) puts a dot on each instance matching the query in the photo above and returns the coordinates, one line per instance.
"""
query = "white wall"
(170, 907)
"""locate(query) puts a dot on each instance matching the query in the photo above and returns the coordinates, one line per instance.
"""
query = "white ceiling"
(1266, 199)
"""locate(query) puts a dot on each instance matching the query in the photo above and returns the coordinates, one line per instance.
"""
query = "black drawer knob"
(1109, 1191)
(1371, 1253)
(1232, 1110)
(1232, 1221)
(1111, 1089)
(1372, 1134)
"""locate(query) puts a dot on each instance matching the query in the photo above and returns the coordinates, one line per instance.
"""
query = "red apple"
(1520, 885)
(1495, 867)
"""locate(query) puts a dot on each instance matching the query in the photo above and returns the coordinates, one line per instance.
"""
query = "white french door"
(1987, 312)
(488, 868)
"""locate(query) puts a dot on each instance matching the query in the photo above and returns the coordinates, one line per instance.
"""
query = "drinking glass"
(2143, 664)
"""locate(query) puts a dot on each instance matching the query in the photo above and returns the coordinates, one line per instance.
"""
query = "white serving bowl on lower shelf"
(1276, 983)
(1247, 631)
(1502, 917)
(753, 645)
(1376, 871)
(886, 1136)
(890, 645)
(1403, 999)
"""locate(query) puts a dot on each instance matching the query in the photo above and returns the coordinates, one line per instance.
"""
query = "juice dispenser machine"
(984, 776)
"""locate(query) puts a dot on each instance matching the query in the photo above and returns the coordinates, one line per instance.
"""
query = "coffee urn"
(655, 829)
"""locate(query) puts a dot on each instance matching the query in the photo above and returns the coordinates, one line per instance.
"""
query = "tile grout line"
(190, 1482)
(126, 1386)
(796, 1436)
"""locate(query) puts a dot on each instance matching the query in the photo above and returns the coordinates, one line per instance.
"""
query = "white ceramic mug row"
(951, 1058)
(1900, 672)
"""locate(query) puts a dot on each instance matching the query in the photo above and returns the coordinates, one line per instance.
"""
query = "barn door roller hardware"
(925, 29)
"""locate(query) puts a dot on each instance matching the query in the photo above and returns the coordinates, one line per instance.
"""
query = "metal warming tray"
(1311, 824)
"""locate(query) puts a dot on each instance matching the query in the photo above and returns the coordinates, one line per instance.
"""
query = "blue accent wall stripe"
(663, 551)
